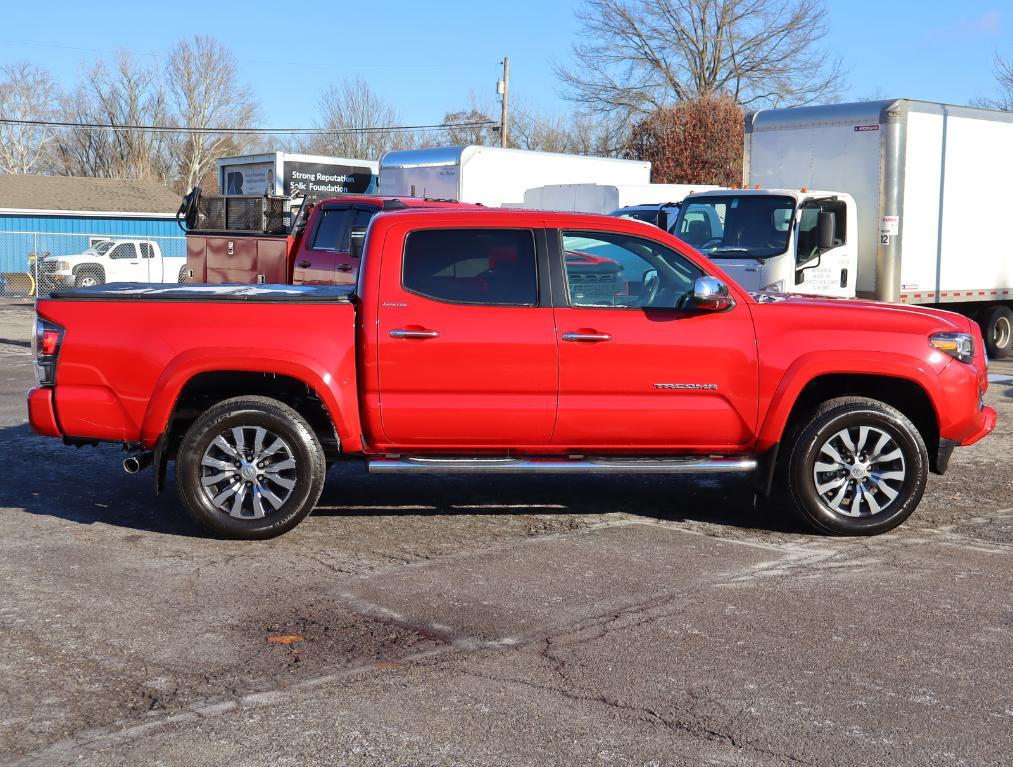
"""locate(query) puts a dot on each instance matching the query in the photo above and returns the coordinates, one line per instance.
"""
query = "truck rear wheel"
(858, 467)
(997, 328)
(250, 468)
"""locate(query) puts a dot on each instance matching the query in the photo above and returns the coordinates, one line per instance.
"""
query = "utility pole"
(503, 88)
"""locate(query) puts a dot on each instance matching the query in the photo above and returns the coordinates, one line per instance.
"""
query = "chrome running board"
(576, 465)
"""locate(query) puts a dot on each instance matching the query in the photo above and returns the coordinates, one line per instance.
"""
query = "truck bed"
(130, 349)
(273, 294)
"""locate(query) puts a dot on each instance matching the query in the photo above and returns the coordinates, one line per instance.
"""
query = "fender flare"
(338, 397)
(809, 367)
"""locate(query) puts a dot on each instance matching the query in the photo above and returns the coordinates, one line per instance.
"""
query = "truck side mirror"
(712, 295)
(663, 219)
(826, 227)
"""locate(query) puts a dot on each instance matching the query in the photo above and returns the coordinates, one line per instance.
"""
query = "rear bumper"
(42, 412)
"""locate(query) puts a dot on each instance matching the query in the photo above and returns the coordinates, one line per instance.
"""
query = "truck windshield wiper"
(729, 250)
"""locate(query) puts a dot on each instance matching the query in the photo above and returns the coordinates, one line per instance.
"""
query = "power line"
(242, 131)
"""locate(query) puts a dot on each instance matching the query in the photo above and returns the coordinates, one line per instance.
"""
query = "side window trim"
(537, 261)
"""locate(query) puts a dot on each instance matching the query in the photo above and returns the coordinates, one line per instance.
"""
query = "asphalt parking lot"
(542, 621)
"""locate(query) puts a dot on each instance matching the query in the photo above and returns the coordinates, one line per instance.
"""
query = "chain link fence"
(35, 263)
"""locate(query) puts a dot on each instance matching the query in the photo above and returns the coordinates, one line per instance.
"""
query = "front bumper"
(42, 412)
(987, 426)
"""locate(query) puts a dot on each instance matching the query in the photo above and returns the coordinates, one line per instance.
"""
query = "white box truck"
(905, 218)
(497, 177)
(286, 173)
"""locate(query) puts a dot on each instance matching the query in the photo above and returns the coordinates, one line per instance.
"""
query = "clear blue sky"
(430, 57)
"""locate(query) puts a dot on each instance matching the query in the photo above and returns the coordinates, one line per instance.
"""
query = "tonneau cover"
(143, 291)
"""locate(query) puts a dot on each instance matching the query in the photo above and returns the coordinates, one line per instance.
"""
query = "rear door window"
(472, 266)
(332, 229)
(357, 230)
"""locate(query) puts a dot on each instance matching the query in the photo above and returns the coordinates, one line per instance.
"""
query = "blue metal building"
(63, 215)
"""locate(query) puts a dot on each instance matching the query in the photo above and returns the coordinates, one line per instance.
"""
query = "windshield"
(736, 226)
(101, 248)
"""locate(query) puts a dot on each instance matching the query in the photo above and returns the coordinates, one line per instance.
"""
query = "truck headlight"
(775, 287)
(960, 346)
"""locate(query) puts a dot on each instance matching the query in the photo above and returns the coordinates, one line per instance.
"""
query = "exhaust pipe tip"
(136, 463)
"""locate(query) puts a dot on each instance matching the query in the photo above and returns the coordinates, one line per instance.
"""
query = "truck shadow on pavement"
(88, 486)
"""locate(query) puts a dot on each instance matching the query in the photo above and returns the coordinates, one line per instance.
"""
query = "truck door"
(317, 259)
(466, 349)
(825, 272)
(638, 366)
(331, 252)
(152, 263)
(125, 264)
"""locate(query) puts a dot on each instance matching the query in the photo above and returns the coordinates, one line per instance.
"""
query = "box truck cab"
(776, 239)
(919, 172)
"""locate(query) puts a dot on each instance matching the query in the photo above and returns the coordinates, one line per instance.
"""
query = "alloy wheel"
(860, 471)
(248, 472)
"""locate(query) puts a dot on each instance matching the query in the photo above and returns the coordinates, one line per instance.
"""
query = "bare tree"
(26, 93)
(205, 92)
(121, 97)
(465, 131)
(636, 56)
(1004, 79)
(347, 109)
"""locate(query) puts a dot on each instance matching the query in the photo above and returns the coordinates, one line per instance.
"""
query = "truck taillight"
(46, 347)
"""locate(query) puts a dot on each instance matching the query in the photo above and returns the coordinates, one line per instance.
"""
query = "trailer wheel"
(857, 467)
(997, 328)
(250, 468)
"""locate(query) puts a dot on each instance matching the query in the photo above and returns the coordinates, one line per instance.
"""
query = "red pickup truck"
(323, 249)
(465, 346)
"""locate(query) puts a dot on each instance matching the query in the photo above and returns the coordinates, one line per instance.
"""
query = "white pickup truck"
(112, 261)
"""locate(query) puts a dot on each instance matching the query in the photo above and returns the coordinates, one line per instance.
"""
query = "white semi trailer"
(497, 177)
(914, 183)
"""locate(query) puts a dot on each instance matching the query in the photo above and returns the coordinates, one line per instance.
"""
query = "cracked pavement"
(491, 621)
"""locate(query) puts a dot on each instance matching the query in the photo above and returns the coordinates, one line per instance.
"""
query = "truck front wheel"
(250, 468)
(997, 328)
(857, 467)
(88, 278)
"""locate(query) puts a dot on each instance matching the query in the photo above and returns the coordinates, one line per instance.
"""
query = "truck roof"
(515, 216)
(766, 192)
(380, 199)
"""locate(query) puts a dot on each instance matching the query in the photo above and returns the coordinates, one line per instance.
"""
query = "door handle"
(588, 338)
(402, 333)
(344, 267)
(304, 264)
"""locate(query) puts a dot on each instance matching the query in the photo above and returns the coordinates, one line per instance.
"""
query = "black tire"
(250, 413)
(798, 474)
(88, 277)
(997, 328)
